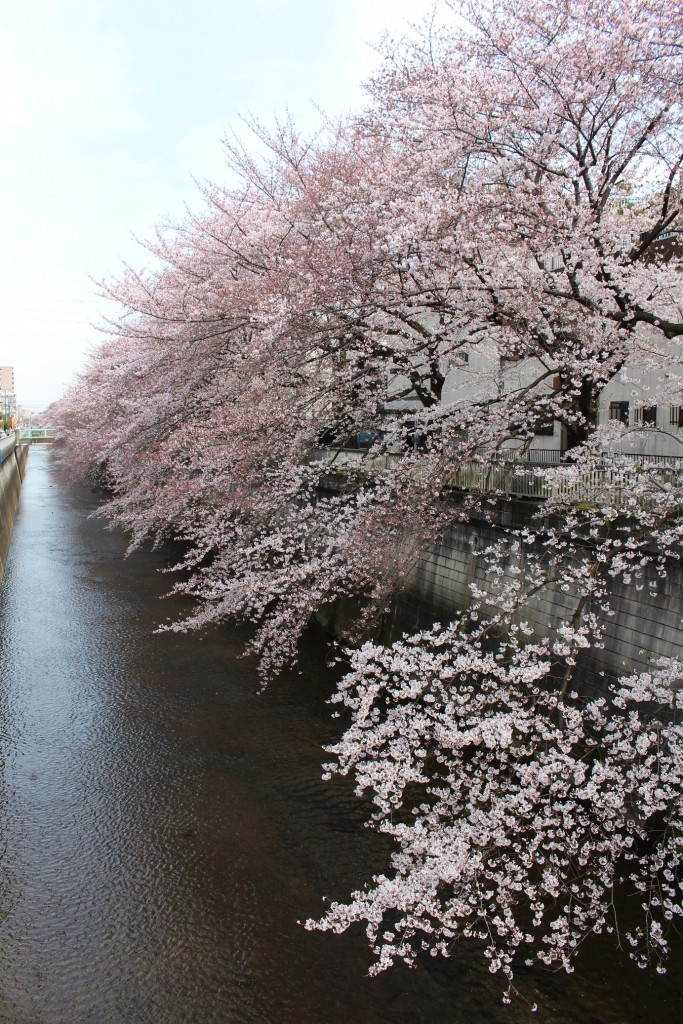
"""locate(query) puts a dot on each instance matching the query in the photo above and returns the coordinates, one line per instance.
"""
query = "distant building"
(7, 379)
(8, 397)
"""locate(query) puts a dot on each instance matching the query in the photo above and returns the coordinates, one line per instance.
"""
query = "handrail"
(31, 434)
(504, 474)
(7, 446)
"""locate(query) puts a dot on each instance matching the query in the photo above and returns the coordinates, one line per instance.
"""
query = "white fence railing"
(30, 434)
(526, 477)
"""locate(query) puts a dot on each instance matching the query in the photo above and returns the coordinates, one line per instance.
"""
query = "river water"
(163, 825)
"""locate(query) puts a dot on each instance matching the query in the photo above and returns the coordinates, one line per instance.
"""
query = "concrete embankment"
(12, 470)
(645, 621)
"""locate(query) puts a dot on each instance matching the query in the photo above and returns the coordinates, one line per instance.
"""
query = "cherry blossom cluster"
(523, 813)
(476, 254)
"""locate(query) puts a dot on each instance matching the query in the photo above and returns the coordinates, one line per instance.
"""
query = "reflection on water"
(163, 826)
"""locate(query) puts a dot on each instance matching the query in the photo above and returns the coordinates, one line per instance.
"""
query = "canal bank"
(12, 468)
(163, 826)
(643, 624)
(644, 621)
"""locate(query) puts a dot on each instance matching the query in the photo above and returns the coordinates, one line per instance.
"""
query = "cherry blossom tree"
(510, 196)
(522, 811)
(517, 812)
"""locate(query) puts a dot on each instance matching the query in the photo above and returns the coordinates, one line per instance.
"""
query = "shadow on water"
(164, 825)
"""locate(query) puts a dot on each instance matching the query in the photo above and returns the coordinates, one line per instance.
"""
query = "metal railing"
(7, 446)
(510, 475)
(35, 435)
(343, 458)
(613, 483)
(533, 457)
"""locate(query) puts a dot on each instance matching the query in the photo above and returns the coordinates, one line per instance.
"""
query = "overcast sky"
(108, 111)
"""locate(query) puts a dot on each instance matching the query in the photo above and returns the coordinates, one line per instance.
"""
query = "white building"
(8, 397)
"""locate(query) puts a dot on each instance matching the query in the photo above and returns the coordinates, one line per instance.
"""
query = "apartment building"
(8, 397)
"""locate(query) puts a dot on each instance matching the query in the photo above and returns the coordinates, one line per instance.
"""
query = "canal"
(163, 825)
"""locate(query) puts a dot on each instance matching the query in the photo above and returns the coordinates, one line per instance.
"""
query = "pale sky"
(108, 111)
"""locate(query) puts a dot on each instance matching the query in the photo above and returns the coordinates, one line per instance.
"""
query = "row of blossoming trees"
(510, 184)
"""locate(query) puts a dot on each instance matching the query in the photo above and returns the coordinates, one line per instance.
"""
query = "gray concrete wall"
(11, 474)
(644, 627)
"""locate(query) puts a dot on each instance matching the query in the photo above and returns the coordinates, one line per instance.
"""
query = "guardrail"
(341, 458)
(613, 482)
(35, 435)
(508, 475)
(7, 446)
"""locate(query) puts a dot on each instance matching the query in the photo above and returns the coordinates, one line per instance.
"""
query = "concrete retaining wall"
(645, 626)
(12, 470)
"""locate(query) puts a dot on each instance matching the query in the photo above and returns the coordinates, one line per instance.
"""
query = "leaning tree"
(510, 196)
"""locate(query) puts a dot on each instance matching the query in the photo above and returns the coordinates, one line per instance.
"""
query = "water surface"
(163, 826)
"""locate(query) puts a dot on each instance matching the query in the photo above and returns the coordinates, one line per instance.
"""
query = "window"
(366, 438)
(619, 411)
(414, 437)
(507, 361)
(455, 360)
(676, 415)
(645, 416)
(544, 428)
